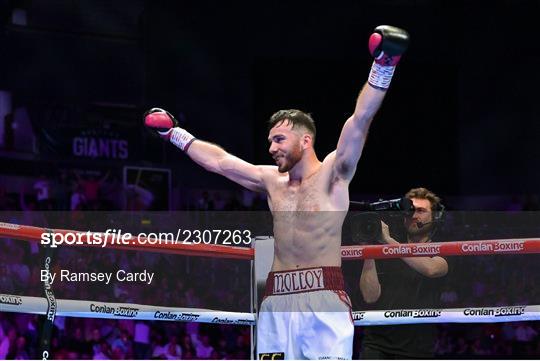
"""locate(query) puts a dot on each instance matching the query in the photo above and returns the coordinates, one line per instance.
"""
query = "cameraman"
(406, 283)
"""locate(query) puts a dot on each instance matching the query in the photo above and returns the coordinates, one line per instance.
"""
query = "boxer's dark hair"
(424, 193)
(295, 117)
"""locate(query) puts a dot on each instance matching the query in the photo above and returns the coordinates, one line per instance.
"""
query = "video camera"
(365, 221)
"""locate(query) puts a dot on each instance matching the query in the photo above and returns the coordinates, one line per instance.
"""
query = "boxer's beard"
(290, 159)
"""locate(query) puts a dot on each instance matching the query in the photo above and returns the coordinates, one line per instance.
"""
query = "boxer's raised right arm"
(210, 156)
(215, 159)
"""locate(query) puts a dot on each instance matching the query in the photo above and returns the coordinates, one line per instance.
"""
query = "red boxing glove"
(387, 44)
(162, 123)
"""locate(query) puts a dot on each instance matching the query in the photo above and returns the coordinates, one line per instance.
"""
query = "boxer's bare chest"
(308, 195)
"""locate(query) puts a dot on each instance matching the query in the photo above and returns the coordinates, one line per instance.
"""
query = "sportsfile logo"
(498, 246)
(427, 313)
(495, 312)
(10, 300)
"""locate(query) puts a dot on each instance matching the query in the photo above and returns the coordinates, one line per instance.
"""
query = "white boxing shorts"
(306, 314)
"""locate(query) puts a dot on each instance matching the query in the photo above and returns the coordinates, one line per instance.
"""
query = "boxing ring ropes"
(51, 307)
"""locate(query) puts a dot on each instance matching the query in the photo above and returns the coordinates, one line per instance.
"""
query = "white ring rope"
(97, 309)
(448, 315)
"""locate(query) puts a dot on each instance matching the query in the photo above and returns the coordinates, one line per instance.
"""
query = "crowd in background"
(102, 339)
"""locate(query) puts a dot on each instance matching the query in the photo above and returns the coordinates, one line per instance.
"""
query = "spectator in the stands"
(43, 192)
(91, 187)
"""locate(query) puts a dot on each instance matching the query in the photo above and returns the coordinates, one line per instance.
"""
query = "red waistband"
(304, 280)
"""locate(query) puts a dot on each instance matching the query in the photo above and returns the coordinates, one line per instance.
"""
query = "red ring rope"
(461, 248)
(29, 233)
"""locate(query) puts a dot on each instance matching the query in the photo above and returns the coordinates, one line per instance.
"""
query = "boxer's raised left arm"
(386, 44)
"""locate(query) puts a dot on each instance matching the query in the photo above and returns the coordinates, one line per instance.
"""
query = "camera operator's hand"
(385, 234)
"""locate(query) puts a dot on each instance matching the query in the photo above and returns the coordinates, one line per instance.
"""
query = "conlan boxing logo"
(10, 300)
(351, 252)
(426, 249)
(115, 311)
(425, 313)
(416, 249)
(358, 315)
(176, 316)
(226, 320)
(496, 312)
(497, 246)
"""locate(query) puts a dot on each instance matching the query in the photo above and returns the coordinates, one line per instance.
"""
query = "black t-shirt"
(404, 288)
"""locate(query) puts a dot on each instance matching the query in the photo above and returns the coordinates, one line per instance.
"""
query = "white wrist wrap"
(380, 76)
(181, 138)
